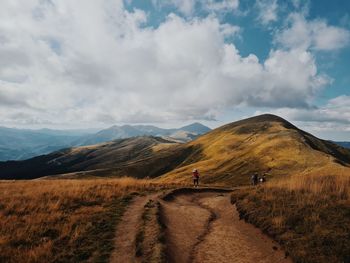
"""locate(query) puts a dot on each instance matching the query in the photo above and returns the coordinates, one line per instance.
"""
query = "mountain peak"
(259, 121)
(196, 127)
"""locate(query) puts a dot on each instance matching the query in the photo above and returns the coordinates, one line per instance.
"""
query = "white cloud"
(267, 10)
(187, 7)
(330, 121)
(221, 6)
(97, 62)
(315, 34)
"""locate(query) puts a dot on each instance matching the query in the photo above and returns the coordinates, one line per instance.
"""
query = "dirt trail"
(126, 232)
(205, 227)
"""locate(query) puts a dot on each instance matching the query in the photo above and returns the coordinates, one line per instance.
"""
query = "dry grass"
(63, 220)
(230, 155)
(337, 185)
(309, 215)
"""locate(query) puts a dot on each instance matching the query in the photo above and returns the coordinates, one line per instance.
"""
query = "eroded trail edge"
(127, 230)
(201, 225)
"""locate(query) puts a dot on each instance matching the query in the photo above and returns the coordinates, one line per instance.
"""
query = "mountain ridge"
(227, 155)
(21, 144)
(126, 131)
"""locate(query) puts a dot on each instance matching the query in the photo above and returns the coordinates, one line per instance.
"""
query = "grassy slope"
(63, 220)
(226, 156)
(230, 154)
(308, 215)
(136, 157)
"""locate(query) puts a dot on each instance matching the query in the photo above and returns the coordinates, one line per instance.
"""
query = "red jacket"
(195, 174)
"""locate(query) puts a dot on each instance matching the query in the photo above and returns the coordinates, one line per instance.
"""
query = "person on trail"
(255, 179)
(195, 175)
(262, 179)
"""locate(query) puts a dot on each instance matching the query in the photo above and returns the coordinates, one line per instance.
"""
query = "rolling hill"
(263, 144)
(183, 134)
(21, 144)
(227, 155)
(138, 157)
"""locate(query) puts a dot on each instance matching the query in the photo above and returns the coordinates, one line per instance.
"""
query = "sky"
(87, 64)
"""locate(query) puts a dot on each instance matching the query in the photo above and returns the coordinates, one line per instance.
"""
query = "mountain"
(137, 157)
(183, 134)
(19, 144)
(196, 128)
(344, 144)
(263, 144)
(227, 155)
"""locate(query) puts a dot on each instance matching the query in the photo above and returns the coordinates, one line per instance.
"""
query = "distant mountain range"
(227, 155)
(183, 134)
(18, 144)
(344, 144)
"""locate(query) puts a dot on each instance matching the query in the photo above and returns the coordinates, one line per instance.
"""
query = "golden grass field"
(63, 220)
(305, 205)
(309, 215)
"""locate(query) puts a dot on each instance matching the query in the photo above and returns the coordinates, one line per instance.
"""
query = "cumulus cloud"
(314, 34)
(187, 7)
(184, 6)
(336, 110)
(330, 120)
(221, 6)
(267, 11)
(97, 62)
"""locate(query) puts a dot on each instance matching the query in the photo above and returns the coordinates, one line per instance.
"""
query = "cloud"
(329, 121)
(99, 63)
(335, 114)
(267, 11)
(315, 34)
(221, 6)
(187, 7)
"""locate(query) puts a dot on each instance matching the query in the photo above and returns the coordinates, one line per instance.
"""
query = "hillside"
(264, 144)
(138, 157)
(21, 144)
(227, 155)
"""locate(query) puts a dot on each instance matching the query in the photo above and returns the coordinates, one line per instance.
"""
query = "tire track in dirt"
(203, 226)
(125, 238)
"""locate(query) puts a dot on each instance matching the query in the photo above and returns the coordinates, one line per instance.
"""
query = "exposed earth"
(200, 225)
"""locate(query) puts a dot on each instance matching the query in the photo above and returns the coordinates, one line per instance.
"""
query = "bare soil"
(127, 229)
(205, 227)
(200, 226)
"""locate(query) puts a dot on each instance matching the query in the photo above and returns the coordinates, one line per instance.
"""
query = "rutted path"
(197, 225)
(205, 227)
(125, 239)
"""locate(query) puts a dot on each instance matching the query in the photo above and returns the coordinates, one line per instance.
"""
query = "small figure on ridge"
(255, 179)
(195, 175)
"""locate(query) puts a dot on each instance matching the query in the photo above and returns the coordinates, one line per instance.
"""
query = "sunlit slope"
(227, 155)
(266, 143)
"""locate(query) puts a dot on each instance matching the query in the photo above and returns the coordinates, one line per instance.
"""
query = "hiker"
(255, 179)
(262, 179)
(195, 175)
